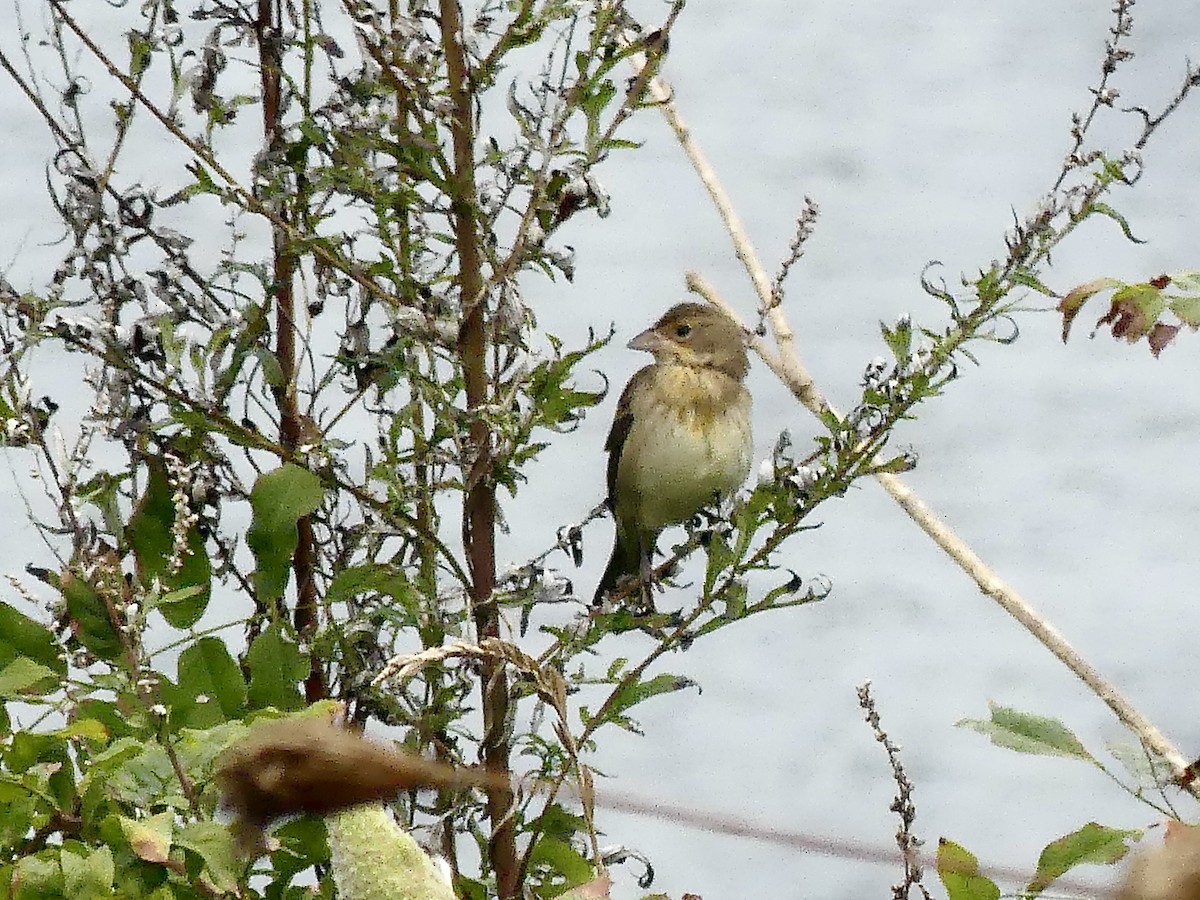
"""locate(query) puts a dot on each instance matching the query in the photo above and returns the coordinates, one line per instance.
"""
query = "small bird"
(681, 435)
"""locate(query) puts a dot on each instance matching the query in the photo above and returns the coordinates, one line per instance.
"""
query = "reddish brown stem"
(479, 508)
(270, 52)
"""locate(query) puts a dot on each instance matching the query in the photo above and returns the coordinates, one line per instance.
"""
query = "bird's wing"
(622, 423)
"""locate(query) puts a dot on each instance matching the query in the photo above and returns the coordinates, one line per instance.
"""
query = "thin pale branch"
(795, 375)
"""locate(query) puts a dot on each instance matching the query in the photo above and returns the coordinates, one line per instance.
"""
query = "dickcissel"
(681, 435)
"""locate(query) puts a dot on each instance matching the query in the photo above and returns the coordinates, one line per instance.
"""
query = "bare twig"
(805, 224)
(909, 844)
(795, 375)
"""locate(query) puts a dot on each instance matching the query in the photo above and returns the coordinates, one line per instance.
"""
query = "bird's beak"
(649, 340)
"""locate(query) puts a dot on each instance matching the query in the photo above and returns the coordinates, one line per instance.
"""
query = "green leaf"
(958, 870)
(112, 757)
(21, 636)
(101, 491)
(140, 54)
(1187, 309)
(720, 558)
(253, 326)
(213, 843)
(1105, 210)
(1145, 768)
(899, 339)
(1026, 278)
(749, 517)
(734, 597)
(197, 751)
(150, 534)
(621, 144)
(1187, 281)
(557, 821)
(271, 370)
(150, 839)
(735, 602)
(563, 859)
(279, 499)
(204, 183)
(23, 677)
(140, 774)
(635, 692)
(87, 874)
(109, 717)
(554, 400)
(277, 666)
(594, 101)
(89, 618)
(379, 578)
(1097, 844)
(46, 761)
(1028, 733)
(1073, 301)
(303, 843)
(38, 877)
(897, 465)
(206, 669)
(18, 810)
(86, 728)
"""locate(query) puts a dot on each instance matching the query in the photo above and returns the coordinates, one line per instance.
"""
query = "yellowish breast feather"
(690, 443)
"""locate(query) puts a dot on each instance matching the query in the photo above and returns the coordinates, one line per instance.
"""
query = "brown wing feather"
(622, 423)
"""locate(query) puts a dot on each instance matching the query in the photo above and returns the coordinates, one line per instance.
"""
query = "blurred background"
(920, 130)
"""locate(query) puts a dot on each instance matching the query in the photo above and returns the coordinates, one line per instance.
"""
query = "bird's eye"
(683, 330)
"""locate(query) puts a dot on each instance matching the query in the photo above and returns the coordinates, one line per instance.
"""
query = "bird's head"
(695, 334)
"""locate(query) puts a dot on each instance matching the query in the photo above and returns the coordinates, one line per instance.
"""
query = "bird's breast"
(690, 442)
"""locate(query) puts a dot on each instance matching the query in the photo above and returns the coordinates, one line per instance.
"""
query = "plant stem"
(269, 28)
(479, 508)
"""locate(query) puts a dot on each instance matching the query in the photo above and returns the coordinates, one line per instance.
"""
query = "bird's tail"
(625, 561)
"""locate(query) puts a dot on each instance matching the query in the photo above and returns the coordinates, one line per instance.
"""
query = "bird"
(681, 435)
